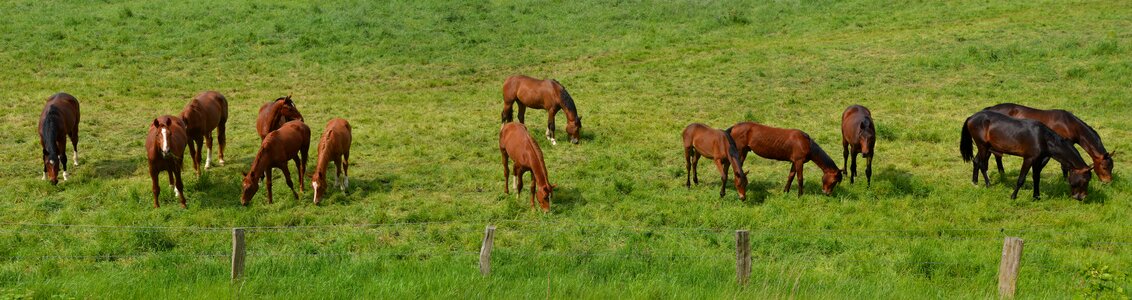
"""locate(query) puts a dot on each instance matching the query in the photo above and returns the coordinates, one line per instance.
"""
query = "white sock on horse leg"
(64, 175)
(207, 158)
(76, 160)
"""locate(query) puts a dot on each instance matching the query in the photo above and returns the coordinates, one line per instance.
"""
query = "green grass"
(420, 83)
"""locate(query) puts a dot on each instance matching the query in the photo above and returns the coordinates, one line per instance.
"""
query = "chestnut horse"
(1068, 127)
(274, 114)
(207, 111)
(165, 149)
(993, 132)
(701, 140)
(59, 120)
(541, 94)
(290, 142)
(515, 142)
(858, 136)
(334, 146)
(790, 145)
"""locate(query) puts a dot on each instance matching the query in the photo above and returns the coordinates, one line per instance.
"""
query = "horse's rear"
(516, 144)
(58, 121)
(858, 136)
(334, 146)
(165, 149)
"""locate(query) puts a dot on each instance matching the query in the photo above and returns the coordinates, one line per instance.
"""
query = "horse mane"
(1061, 148)
(817, 153)
(51, 130)
(567, 101)
(733, 150)
(1090, 133)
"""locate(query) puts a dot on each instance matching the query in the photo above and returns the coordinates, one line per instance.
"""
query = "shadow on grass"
(117, 168)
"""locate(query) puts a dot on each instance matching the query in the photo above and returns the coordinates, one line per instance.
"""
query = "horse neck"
(276, 116)
(1090, 140)
(51, 127)
(538, 168)
(1064, 152)
(821, 159)
(323, 156)
(261, 164)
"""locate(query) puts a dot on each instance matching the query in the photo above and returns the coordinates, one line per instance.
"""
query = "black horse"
(995, 133)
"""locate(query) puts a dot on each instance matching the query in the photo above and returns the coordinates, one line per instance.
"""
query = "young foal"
(334, 146)
(207, 111)
(289, 142)
(993, 132)
(274, 114)
(790, 145)
(701, 140)
(1069, 127)
(858, 136)
(541, 94)
(516, 143)
(165, 149)
(59, 120)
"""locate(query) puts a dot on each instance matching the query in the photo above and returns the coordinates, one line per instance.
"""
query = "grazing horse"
(274, 114)
(290, 142)
(858, 136)
(993, 132)
(541, 94)
(516, 143)
(207, 111)
(701, 140)
(334, 146)
(790, 145)
(165, 149)
(59, 120)
(1068, 127)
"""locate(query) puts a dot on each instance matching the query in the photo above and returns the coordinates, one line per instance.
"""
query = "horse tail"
(965, 142)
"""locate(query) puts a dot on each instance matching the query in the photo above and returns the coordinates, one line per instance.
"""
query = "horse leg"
(982, 163)
(267, 183)
(208, 153)
(63, 157)
(519, 182)
(1038, 166)
(180, 189)
(1026, 164)
(303, 172)
(687, 167)
(798, 168)
(221, 140)
(695, 166)
(550, 124)
(853, 168)
(75, 144)
(869, 171)
(998, 161)
(199, 141)
(287, 176)
(845, 155)
(522, 112)
(789, 180)
(506, 173)
(338, 174)
(346, 171)
(722, 166)
(172, 182)
(298, 168)
(507, 111)
(156, 188)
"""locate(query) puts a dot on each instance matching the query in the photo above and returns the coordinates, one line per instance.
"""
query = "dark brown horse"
(701, 140)
(290, 142)
(858, 136)
(515, 142)
(274, 114)
(165, 149)
(59, 120)
(334, 146)
(790, 145)
(541, 94)
(993, 132)
(207, 111)
(1069, 127)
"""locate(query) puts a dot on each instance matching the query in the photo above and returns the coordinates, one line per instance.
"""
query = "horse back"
(782, 144)
(516, 141)
(709, 142)
(63, 107)
(856, 122)
(532, 92)
(205, 112)
(336, 138)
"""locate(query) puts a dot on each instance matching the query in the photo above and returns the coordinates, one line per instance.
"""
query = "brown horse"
(290, 142)
(701, 140)
(1069, 127)
(993, 132)
(207, 111)
(59, 120)
(165, 149)
(790, 145)
(858, 136)
(541, 94)
(334, 146)
(515, 142)
(274, 114)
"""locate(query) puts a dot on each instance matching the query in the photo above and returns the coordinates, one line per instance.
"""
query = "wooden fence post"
(1008, 267)
(742, 256)
(485, 250)
(238, 251)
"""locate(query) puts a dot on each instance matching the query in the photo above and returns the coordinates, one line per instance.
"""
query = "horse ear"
(1111, 154)
(156, 123)
(244, 173)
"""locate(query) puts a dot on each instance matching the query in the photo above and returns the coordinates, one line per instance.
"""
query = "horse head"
(51, 164)
(829, 180)
(574, 129)
(162, 125)
(1104, 167)
(288, 110)
(543, 194)
(250, 186)
(741, 185)
(1079, 182)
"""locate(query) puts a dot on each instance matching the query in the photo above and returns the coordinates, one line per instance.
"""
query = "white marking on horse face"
(314, 184)
(164, 141)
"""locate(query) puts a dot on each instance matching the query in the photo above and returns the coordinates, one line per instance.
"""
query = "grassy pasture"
(420, 83)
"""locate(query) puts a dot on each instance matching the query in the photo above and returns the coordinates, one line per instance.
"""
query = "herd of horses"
(1033, 134)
